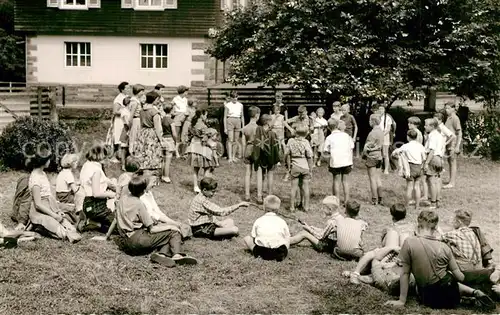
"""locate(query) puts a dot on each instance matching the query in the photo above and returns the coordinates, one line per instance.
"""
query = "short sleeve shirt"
(299, 150)
(64, 180)
(349, 232)
(89, 168)
(132, 214)
(350, 122)
(414, 152)
(435, 142)
(339, 145)
(40, 179)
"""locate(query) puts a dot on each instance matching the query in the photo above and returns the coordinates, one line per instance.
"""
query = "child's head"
(138, 184)
(122, 86)
(272, 203)
(352, 208)
(320, 112)
(374, 120)
(333, 124)
(39, 160)
(336, 106)
(279, 97)
(276, 109)
(331, 205)
(450, 108)
(462, 219)
(411, 135)
(138, 90)
(346, 109)
(97, 153)
(126, 101)
(430, 124)
(132, 164)
(191, 103)
(208, 186)
(301, 131)
(152, 97)
(182, 90)
(254, 112)
(70, 161)
(427, 220)
(414, 122)
(302, 110)
(313, 115)
(233, 96)
(265, 120)
(439, 117)
(212, 133)
(342, 125)
(398, 212)
(381, 109)
(167, 107)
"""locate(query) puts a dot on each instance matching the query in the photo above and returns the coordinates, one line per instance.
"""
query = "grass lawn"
(50, 276)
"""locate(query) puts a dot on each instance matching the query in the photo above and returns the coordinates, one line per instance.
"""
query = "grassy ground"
(52, 276)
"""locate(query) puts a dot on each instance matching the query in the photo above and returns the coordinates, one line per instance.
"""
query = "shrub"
(23, 137)
(481, 136)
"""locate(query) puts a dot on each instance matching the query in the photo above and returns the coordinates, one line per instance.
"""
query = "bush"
(481, 137)
(21, 138)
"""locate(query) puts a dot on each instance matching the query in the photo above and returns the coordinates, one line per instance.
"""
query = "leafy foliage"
(364, 49)
(23, 137)
(482, 135)
(12, 63)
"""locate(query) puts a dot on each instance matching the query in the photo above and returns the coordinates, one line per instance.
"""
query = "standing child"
(339, 146)
(414, 124)
(413, 153)
(180, 105)
(124, 137)
(202, 212)
(318, 135)
(278, 124)
(248, 139)
(200, 155)
(351, 127)
(135, 115)
(265, 155)
(270, 237)
(337, 111)
(453, 147)
(67, 189)
(233, 122)
(299, 159)
(45, 215)
(117, 122)
(372, 153)
(433, 165)
(191, 110)
(168, 127)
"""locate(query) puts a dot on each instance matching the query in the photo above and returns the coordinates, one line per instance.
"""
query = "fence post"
(209, 96)
(39, 101)
(53, 104)
(10, 87)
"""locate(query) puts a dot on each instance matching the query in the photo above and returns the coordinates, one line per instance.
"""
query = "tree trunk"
(53, 105)
(430, 100)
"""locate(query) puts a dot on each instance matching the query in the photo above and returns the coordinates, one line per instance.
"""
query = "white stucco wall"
(115, 59)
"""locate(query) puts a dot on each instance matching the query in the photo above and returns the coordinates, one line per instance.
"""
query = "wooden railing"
(12, 87)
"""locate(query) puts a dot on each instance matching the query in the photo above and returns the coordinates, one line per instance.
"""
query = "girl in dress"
(200, 155)
(278, 124)
(98, 205)
(149, 144)
(318, 136)
(191, 110)
(135, 111)
(45, 214)
(117, 123)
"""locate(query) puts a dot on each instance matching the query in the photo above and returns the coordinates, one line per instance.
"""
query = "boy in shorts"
(234, 119)
(372, 153)
(270, 237)
(168, 126)
(414, 153)
(180, 105)
(414, 124)
(299, 159)
(322, 240)
(351, 127)
(433, 165)
(202, 212)
(338, 146)
(247, 139)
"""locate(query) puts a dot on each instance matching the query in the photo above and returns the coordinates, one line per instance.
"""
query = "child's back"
(249, 131)
(299, 150)
(349, 231)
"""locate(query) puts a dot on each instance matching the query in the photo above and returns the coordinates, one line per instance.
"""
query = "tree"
(12, 62)
(364, 49)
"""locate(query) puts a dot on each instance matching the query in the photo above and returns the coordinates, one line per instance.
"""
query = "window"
(149, 5)
(154, 56)
(78, 54)
(74, 4)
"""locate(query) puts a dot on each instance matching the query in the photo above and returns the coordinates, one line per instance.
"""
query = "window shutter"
(170, 4)
(94, 3)
(127, 4)
(52, 3)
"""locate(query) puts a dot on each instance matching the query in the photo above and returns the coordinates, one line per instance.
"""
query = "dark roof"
(191, 18)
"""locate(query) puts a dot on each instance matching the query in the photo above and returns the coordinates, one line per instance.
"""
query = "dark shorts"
(435, 166)
(96, 209)
(325, 245)
(299, 172)
(340, 170)
(415, 171)
(247, 155)
(142, 242)
(124, 136)
(65, 196)
(204, 230)
(373, 163)
(351, 254)
(443, 294)
(278, 254)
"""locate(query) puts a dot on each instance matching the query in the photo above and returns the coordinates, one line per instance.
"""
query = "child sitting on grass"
(270, 237)
(202, 212)
(132, 165)
(141, 234)
(322, 240)
(67, 189)
(299, 159)
(10, 239)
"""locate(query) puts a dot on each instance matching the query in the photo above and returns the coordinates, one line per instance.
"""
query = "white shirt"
(320, 122)
(271, 231)
(40, 179)
(339, 144)
(150, 203)
(445, 132)
(435, 142)
(88, 170)
(64, 179)
(386, 127)
(119, 99)
(234, 110)
(414, 151)
(180, 104)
